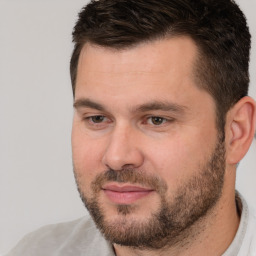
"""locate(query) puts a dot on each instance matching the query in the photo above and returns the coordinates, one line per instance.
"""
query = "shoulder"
(248, 229)
(78, 237)
(250, 236)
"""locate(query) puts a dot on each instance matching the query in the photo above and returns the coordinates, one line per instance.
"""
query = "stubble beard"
(172, 221)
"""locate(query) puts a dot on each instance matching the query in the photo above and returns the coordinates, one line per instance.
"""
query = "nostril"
(128, 166)
(127, 160)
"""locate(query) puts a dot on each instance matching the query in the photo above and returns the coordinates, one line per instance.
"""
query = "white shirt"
(81, 237)
(244, 243)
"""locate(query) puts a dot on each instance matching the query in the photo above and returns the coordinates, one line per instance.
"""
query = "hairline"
(200, 60)
(200, 56)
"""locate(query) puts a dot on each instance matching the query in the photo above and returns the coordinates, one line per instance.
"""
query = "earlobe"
(240, 129)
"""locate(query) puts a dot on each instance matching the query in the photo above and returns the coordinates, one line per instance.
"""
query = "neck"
(210, 235)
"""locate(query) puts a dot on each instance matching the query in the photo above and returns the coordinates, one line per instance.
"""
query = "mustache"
(129, 175)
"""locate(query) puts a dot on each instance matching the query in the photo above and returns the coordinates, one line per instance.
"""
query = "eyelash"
(89, 119)
(97, 116)
(147, 120)
(162, 120)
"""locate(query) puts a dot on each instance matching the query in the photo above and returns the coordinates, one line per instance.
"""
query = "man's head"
(153, 81)
(218, 28)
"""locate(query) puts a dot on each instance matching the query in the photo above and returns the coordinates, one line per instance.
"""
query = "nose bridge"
(123, 148)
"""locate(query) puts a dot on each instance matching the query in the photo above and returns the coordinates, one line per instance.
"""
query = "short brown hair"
(217, 26)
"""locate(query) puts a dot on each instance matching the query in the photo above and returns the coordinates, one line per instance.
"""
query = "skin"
(116, 84)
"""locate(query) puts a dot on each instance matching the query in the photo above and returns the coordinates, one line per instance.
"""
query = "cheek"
(177, 159)
(86, 156)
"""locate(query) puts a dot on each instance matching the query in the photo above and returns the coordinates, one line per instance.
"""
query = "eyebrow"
(151, 106)
(87, 103)
(159, 105)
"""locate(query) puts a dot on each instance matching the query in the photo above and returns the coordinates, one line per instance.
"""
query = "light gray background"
(36, 180)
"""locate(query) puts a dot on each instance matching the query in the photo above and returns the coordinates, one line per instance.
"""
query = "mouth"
(125, 194)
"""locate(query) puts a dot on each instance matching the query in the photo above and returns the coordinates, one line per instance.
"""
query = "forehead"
(157, 56)
(166, 64)
(162, 70)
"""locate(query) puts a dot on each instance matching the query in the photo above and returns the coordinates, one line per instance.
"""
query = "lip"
(125, 194)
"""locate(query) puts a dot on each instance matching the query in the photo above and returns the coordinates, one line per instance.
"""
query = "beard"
(172, 221)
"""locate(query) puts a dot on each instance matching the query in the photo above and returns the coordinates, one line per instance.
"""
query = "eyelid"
(90, 125)
(84, 113)
(91, 116)
(85, 110)
(162, 120)
(102, 118)
(166, 119)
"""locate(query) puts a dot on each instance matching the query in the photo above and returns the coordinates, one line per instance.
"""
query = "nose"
(123, 149)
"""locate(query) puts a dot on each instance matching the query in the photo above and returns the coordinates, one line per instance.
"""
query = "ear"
(240, 129)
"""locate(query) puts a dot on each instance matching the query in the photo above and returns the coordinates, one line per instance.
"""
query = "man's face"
(147, 157)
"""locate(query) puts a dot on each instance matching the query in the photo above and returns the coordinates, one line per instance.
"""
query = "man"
(161, 120)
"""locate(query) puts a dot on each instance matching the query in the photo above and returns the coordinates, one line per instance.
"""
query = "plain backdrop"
(36, 180)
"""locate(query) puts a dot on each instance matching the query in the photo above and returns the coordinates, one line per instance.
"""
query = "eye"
(97, 119)
(156, 120)
(96, 122)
